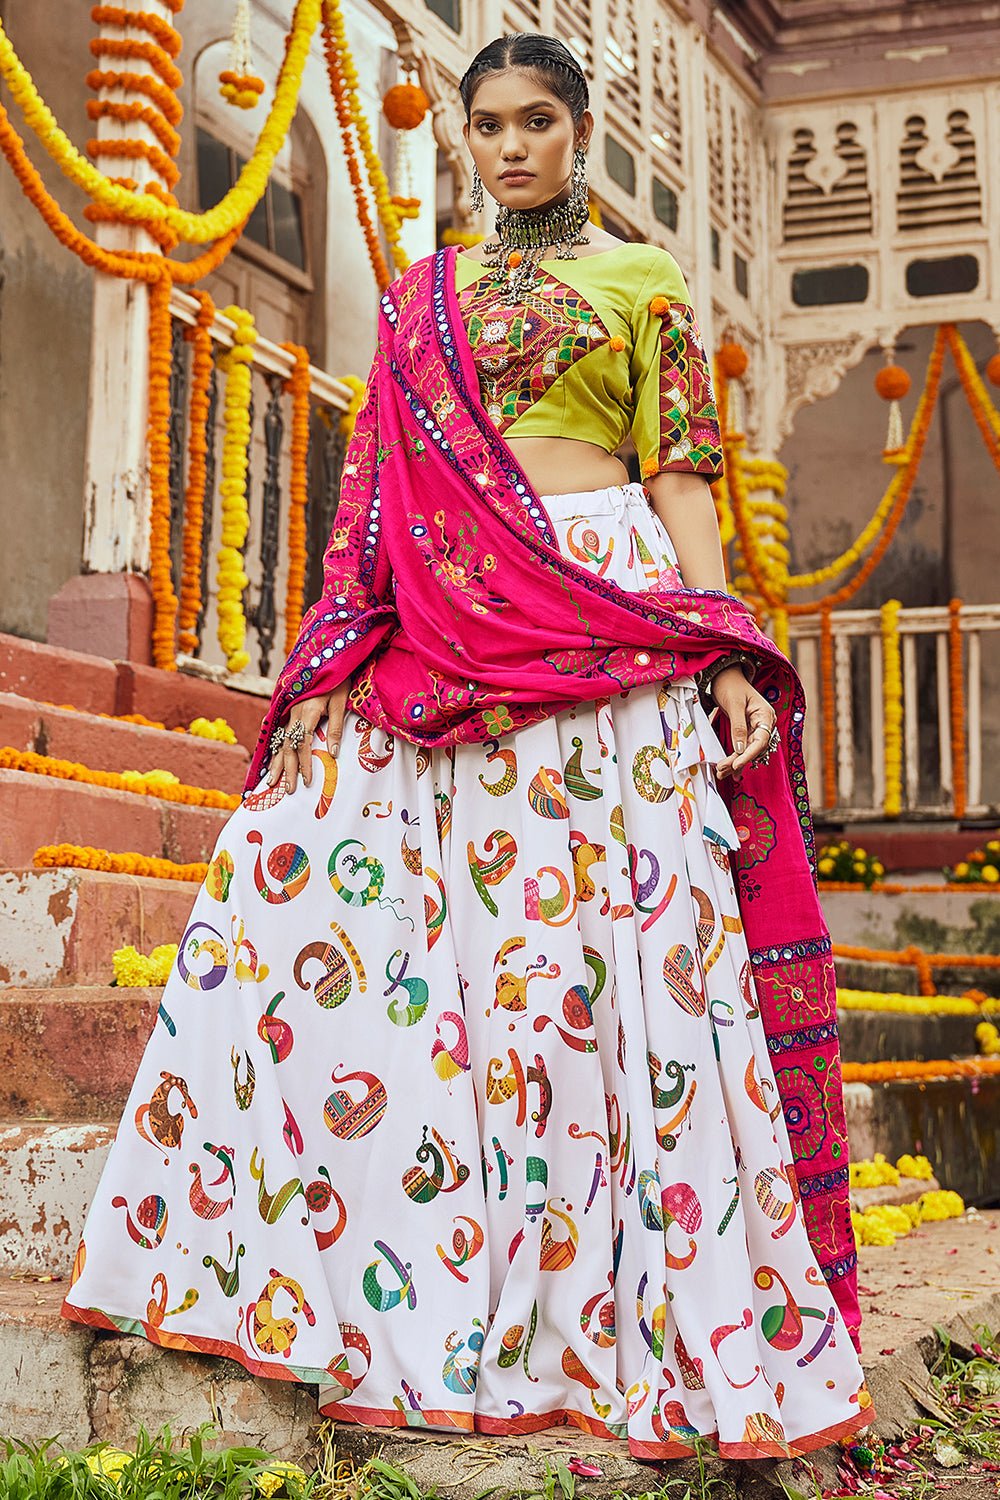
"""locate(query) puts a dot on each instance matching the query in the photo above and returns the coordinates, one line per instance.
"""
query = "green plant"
(843, 861)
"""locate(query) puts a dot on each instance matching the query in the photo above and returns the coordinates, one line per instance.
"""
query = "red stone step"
(71, 1054)
(921, 847)
(61, 927)
(93, 684)
(111, 745)
(37, 810)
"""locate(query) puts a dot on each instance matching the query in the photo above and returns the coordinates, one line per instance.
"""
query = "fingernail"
(335, 749)
(740, 746)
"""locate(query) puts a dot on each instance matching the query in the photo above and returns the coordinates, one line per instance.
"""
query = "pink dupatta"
(448, 603)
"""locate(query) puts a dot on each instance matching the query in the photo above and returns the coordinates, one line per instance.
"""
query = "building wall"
(45, 302)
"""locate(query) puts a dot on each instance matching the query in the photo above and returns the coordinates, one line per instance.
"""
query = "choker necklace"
(523, 234)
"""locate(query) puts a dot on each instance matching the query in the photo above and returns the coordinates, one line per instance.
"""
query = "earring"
(580, 186)
(476, 192)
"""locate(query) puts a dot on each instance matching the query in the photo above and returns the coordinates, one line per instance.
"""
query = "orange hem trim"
(369, 1416)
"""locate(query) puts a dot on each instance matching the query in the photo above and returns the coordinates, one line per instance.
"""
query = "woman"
(461, 1102)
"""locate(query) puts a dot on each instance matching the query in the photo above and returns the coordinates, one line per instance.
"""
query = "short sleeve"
(675, 423)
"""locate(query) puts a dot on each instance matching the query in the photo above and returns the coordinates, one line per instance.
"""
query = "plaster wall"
(45, 318)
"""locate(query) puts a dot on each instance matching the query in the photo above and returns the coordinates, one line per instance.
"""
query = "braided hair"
(545, 56)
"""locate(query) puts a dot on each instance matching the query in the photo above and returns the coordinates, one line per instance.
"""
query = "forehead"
(512, 92)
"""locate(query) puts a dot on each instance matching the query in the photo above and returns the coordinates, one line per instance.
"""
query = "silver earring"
(476, 192)
(580, 185)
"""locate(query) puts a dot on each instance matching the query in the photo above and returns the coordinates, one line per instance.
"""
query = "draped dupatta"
(448, 604)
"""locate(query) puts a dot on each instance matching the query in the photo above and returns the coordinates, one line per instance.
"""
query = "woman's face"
(516, 124)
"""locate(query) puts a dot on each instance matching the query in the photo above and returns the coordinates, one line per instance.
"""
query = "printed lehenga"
(497, 1082)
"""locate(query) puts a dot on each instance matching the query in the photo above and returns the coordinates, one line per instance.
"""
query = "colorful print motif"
(690, 438)
(417, 1148)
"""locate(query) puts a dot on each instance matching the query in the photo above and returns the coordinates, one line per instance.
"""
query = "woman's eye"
(540, 119)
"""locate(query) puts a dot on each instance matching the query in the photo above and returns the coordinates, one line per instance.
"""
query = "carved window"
(740, 158)
(666, 134)
(826, 192)
(938, 179)
(449, 11)
(525, 15)
(571, 23)
(621, 61)
(716, 145)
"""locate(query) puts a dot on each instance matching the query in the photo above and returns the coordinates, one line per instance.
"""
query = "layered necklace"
(524, 234)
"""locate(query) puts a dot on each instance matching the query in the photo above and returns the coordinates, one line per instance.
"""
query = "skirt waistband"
(612, 499)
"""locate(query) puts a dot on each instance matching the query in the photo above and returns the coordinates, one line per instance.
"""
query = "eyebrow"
(537, 104)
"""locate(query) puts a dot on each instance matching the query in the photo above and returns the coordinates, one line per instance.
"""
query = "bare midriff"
(564, 466)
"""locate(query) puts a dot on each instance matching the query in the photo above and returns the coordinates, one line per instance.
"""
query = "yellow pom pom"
(658, 306)
(617, 343)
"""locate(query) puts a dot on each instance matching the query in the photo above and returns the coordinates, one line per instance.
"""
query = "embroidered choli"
(607, 345)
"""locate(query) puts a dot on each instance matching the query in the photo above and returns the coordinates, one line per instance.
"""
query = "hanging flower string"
(158, 438)
(235, 364)
(956, 708)
(985, 413)
(829, 708)
(892, 709)
(342, 107)
(298, 492)
(240, 86)
(85, 857)
(194, 497)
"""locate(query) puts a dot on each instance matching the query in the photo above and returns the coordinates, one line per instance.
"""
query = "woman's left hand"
(751, 719)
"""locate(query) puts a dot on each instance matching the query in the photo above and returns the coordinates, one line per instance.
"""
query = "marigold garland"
(915, 1005)
(941, 1067)
(158, 440)
(915, 958)
(988, 1038)
(202, 728)
(880, 1172)
(244, 90)
(333, 24)
(241, 199)
(135, 112)
(892, 709)
(129, 862)
(828, 705)
(235, 364)
(956, 708)
(161, 784)
(148, 52)
(343, 110)
(349, 416)
(883, 1223)
(194, 497)
(986, 416)
(165, 100)
(298, 492)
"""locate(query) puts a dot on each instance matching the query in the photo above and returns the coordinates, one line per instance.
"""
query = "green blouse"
(607, 345)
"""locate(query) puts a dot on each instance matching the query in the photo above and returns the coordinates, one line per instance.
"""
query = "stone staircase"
(70, 1043)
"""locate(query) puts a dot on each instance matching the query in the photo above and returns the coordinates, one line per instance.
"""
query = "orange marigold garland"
(341, 105)
(136, 112)
(85, 857)
(298, 493)
(956, 707)
(945, 1067)
(194, 496)
(161, 579)
(986, 416)
(161, 784)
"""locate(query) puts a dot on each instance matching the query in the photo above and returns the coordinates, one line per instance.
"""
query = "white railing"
(928, 789)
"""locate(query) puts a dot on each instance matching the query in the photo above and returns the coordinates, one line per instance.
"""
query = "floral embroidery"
(797, 991)
(689, 421)
(805, 1111)
(520, 350)
(755, 827)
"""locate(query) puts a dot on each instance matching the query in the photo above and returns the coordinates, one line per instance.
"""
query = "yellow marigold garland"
(350, 415)
(988, 1038)
(232, 580)
(892, 709)
(342, 106)
(212, 729)
(129, 862)
(298, 493)
(162, 784)
(194, 496)
(241, 199)
(986, 416)
(915, 1005)
(940, 1067)
(883, 1223)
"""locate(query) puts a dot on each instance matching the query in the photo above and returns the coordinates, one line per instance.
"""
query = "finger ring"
(296, 734)
(277, 740)
(774, 740)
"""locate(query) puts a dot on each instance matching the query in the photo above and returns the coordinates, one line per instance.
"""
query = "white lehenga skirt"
(458, 1104)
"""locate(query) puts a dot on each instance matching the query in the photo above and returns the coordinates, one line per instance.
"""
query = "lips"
(516, 176)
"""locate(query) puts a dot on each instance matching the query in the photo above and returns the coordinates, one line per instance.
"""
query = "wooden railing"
(928, 779)
(265, 560)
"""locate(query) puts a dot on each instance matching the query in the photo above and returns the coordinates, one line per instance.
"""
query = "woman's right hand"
(308, 712)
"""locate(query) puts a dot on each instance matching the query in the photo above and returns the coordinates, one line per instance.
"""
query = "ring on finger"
(296, 734)
(278, 739)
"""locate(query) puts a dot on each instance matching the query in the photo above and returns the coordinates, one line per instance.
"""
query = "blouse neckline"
(550, 261)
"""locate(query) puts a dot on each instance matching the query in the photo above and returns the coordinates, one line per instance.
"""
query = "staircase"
(70, 1043)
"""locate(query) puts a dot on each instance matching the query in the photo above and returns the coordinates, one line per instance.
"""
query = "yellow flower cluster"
(387, 211)
(149, 781)
(213, 729)
(915, 1005)
(235, 364)
(914, 1166)
(882, 1225)
(841, 861)
(134, 968)
(349, 417)
(276, 1474)
(854, 551)
(981, 866)
(243, 196)
(892, 709)
(880, 1171)
(988, 1038)
(111, 1463)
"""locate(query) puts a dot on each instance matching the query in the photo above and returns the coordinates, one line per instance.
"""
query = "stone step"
(93, 684)
(37, 810)
(112, 745)
(62, 926)
(71, 1054)
(921, 846)
(954, 921)
(879, 1035)
(955, 1122)
(48, 1174)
